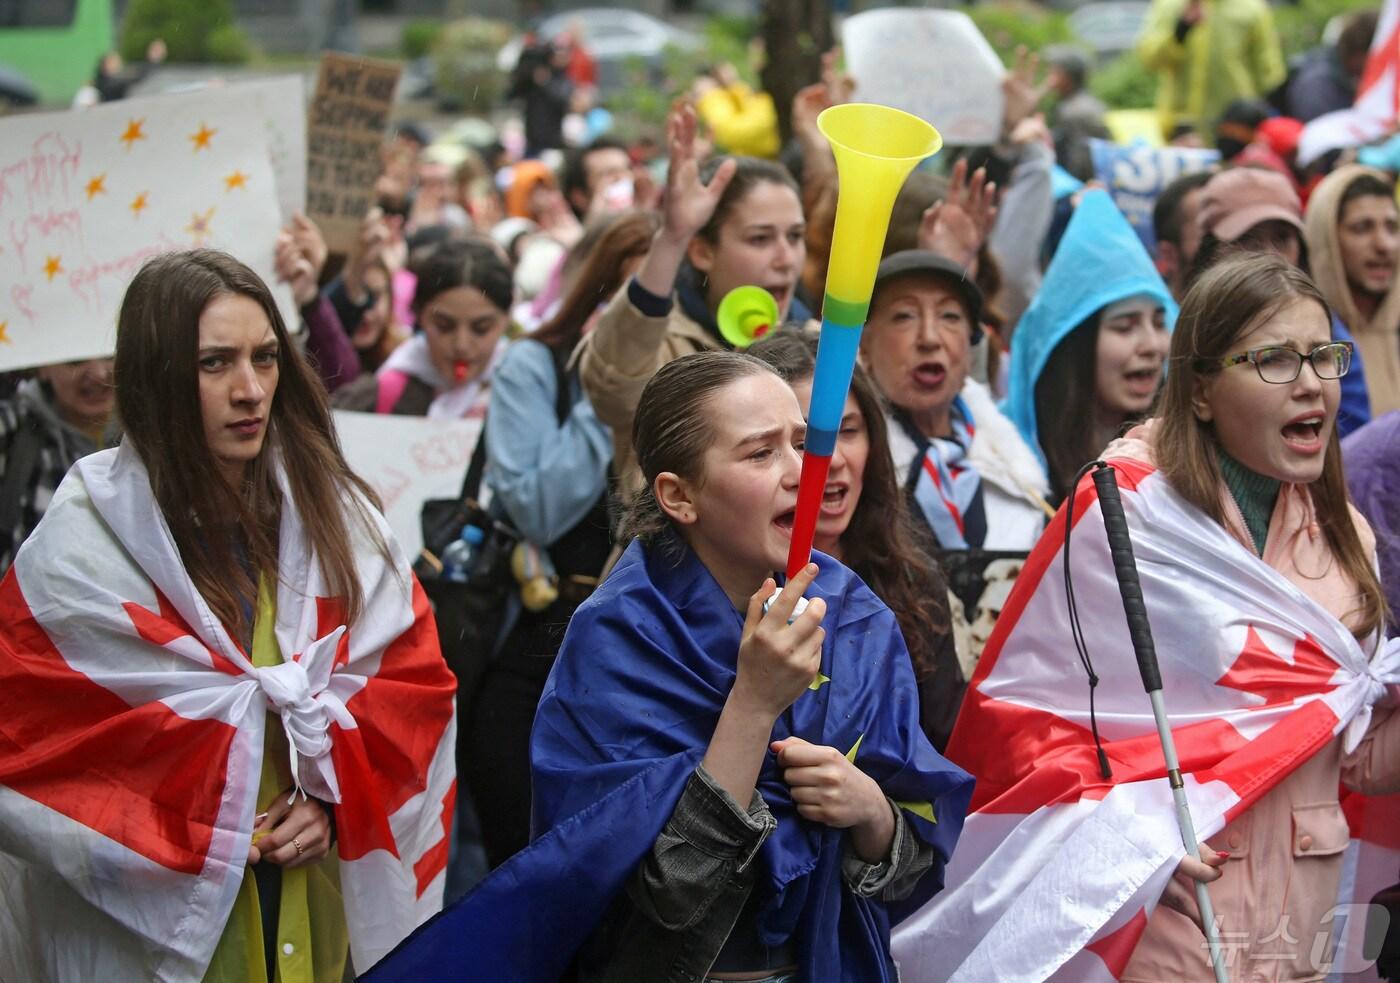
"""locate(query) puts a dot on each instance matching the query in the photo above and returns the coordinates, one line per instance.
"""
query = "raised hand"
(689, 203)
(1020, 93)
(957, 226)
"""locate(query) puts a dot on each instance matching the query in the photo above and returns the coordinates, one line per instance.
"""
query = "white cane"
(1120, 547)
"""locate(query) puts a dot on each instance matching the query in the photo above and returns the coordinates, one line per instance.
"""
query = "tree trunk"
(795, 34)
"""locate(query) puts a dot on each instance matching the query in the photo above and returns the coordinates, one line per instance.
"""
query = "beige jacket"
(1286, 850)
(1377, 339)
(619, 357)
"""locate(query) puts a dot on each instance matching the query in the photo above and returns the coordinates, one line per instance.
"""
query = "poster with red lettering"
(408, 460)
(87, 197)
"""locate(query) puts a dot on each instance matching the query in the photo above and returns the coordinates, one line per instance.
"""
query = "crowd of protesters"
(642, 476)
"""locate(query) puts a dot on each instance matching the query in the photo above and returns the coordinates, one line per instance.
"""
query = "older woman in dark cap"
(969, 476)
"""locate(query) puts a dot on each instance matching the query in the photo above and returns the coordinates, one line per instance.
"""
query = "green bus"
(55, 44)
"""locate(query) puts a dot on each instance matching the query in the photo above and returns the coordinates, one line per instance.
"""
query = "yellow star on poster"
(202, 137)
(138, 204)
(236, 180)
(53, 267)
(97, 186)
(4, 338)
(133, 132)
(199, 224)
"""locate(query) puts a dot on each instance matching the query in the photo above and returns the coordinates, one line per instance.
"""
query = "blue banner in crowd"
(1136, 174)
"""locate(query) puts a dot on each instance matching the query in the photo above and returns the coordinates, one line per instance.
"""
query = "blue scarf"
(625, 719)
(944, 484)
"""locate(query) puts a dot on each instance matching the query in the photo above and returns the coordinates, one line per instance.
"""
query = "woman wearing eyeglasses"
(1246, 433)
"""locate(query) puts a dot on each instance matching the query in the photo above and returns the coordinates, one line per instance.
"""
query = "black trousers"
(495, 757)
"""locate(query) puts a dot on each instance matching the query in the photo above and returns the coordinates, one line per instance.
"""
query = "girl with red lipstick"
(969, 478)
(462, 305)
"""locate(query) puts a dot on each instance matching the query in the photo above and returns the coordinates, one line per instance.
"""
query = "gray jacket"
(685, 897)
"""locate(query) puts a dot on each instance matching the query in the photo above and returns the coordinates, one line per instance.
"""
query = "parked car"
(613, 36)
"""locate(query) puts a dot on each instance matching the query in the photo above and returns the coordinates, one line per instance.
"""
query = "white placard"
(407, 460)
(933, 63)
(281, 105)
(87, 197)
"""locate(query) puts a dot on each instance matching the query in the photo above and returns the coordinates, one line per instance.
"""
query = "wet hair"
(882, 544)
(749, 174)
(625, 236)
(1225, 304)
(672, 430)
(227, 537)
(1166, 212)
(471, 262)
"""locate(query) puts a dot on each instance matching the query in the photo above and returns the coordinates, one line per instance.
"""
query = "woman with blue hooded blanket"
(1089, 354)
(730, 781)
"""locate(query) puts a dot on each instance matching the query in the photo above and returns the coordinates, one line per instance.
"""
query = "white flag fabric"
(1377, 105)
(1058, 868)
(131, 739)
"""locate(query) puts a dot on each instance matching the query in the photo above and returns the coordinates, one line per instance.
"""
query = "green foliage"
(466, 76)
(419, 36)
(1300, 25)
(193, 31)
(1125, 83)
(228, 45)
(1009, 24)
(641, 105)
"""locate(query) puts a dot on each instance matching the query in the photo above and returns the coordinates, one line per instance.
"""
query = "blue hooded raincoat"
(1100, 261)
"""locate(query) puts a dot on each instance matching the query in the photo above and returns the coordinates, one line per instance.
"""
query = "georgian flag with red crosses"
(131, 739)
(1058, 869)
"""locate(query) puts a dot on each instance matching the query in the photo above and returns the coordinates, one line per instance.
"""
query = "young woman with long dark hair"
(249, 685)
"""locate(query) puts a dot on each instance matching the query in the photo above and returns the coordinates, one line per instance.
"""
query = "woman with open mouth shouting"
(792, 791)
(970, 479)
(1089, 354)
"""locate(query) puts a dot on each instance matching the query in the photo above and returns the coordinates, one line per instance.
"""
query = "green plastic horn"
(746, 314)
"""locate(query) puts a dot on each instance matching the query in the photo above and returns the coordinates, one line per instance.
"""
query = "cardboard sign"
(934, 64)
(87, 197)
(1136, 174)
(345, 128)
(408, 460)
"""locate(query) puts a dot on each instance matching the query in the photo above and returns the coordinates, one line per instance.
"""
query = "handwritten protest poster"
(1136, 174)
(86, 198)
(345, 128)
(407, 460)
(933, 63)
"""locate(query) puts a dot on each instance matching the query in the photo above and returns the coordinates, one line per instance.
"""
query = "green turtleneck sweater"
(1254, 493)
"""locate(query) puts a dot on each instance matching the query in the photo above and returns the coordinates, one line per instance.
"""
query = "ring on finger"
(297, 843)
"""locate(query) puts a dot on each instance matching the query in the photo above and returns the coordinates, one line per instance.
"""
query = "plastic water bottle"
(457, 558)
